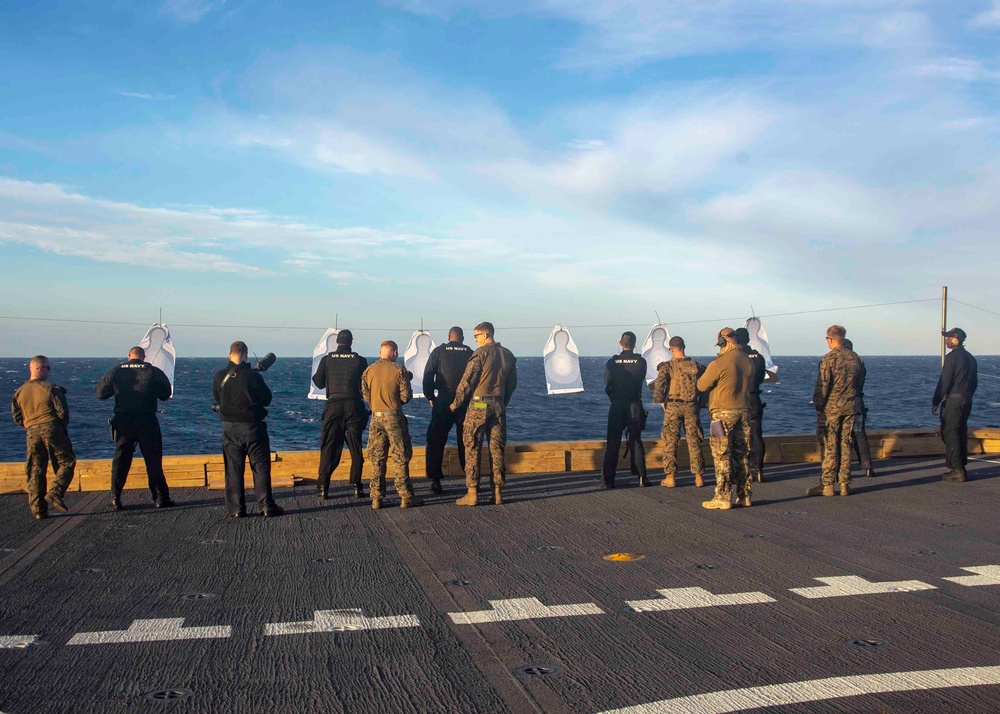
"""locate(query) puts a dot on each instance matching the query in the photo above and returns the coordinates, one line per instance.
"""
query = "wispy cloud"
(988, 18)
(146, 95)
(958, 68)
(189, 11)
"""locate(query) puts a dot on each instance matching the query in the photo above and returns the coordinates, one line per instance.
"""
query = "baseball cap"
(955, 332)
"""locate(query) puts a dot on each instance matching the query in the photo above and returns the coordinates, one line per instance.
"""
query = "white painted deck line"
(8, 641)
(688, 598)
(844, 585)
(986, 575)
(527, 608)
(162, 630)
(340, 621)
(816, 690)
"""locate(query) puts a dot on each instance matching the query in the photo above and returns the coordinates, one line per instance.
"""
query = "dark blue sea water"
(898, 395)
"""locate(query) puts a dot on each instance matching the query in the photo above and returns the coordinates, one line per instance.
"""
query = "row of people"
(470, 390)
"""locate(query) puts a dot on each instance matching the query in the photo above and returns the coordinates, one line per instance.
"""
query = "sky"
(276, 168)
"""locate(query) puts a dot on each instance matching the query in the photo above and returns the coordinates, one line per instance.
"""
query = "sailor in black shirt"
(345, 415)
(136, 386)
(242, 396)
(958, 382)
(443, 372)
(624, 375)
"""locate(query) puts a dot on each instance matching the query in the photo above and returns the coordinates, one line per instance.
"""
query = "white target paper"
(324, 347)
(655, 349)
(562, 363)
(418, 351)
(160, 351)
(759, 342)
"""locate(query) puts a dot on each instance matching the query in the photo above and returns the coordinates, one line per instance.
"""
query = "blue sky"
(247, 162)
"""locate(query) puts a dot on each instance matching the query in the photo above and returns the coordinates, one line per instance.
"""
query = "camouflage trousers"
(48, 442)
(836, 434)
(675, 416)
(729, 437)
(485, 419)
(389, 438)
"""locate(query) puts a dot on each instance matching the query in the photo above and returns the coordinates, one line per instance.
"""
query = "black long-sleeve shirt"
(444, 370)
(624, 376)
(135, 385)
(241, 394)
(959, 376)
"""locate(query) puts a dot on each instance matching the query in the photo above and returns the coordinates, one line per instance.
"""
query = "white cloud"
(55, 219)
(189, 10)
(988, 18)
(146, 95)
(959, 68)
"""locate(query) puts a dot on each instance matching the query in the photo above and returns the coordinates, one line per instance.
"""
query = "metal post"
(944, 320)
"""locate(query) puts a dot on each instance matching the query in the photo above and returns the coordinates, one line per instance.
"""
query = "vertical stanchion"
(944, 320)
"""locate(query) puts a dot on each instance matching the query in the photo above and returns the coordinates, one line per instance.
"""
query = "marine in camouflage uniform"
(385, 385)
(675, 387)
(41, 409)
(838, 385)
(489, 380)
(729, 379)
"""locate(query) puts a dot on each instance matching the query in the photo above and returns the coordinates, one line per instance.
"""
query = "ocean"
(898, 394)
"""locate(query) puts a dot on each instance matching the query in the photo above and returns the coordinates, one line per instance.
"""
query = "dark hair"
(138, 352)
(848, 344)
(457, 333)
(486, 327)
(628, 340)
(345, 337)
(239, 348)
(676, 343)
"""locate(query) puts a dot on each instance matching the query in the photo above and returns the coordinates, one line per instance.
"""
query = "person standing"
(728, 380)
(955, 389)
(242, 396)
(861, 446)
(489, 380)
(623, 377)
(443, 372)
(40, 408)
(345, 416)
(838, 385)
(136, 386)
(757, 446)
(676, 390)
(385, 385)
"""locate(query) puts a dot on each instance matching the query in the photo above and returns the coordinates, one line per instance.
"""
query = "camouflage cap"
(955, 332)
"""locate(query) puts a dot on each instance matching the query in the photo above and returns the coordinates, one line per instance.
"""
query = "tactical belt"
(486, 399)
(398, 411)
(681, 401)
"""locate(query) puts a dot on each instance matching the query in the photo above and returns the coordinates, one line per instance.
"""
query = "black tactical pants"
(343, 421)
(240, 442)
(955, 430)
(142, 430)
(442, 419)
(622, 416)
(757, 446)
(861, 447)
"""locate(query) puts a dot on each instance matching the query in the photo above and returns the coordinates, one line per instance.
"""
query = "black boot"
(870, 472)
(359, 491)
(436, 486)
(321, 492)
(643, 482)
(116, 502)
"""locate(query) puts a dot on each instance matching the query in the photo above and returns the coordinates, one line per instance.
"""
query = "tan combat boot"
(699, 480)
(845, 489)
(743, 501)
(497, 498)
(721, 502)
(471, 498)
(668, 481)
(408, 500)
(820, 490)
(376, 504)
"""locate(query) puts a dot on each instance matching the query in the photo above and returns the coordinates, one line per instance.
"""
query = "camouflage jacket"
(839, 382)
(491, 372)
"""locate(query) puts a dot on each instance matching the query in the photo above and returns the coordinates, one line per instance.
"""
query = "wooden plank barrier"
(291, 467)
